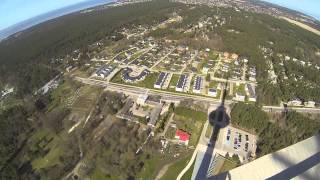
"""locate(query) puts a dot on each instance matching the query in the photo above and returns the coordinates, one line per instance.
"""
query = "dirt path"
(163, 171)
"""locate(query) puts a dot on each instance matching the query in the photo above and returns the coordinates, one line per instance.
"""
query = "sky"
(309, 7)
(15, 11)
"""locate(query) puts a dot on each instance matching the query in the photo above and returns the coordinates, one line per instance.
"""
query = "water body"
(50, 15)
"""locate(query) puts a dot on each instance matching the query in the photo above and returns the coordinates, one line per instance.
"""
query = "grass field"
(174, 80)
(240, 89)
(213, 84)
(9, 101)
(148, 82)
(64, 91)
(48, 147)
(84, 72)
(227, 165)
(196, 131)
(174, 170)
(209, 131)
(191, 121)
(45, 140)
(98, 174)
(151, 165)
(188, 174)
(87, 98)
(51, 159)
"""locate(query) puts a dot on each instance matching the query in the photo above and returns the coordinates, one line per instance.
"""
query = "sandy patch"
(304, 26)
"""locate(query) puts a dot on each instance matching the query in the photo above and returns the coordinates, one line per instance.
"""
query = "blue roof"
(105, 70)
(198, 82)
(161, 78)
(127, 77)
(182, 81)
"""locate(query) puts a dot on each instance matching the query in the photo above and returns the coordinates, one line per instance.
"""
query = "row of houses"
(197, 86)
(250, 93)
(127, 77)
(299, 102)
(162, 79)
(104, 71)
(181, 85)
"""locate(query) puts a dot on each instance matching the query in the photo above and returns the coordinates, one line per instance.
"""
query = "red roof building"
(182, 136)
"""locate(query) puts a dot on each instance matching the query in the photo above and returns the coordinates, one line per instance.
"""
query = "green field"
(190, 121)
(209, 131)
(188, 174)
(227, 165)
(148, 82)
(177, 167)
(150, 167)
(42, 141)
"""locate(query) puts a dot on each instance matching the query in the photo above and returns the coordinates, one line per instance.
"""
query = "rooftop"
(299, 161)
(183, 136)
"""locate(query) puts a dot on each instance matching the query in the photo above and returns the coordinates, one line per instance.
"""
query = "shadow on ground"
(218, 119)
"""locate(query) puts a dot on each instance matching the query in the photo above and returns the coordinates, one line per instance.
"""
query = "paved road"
(178, 97)
(298, 109)
(166, 95)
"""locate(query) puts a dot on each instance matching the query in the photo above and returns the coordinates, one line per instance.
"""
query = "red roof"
(183, 136)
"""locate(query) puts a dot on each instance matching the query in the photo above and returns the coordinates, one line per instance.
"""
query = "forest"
(35, 128)
(27, 58)
(273, 135)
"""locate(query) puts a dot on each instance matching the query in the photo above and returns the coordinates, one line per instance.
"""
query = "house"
(181, 83)
(250, 90)
(234, 56)
(212, 92)
(161, 80)
(104, 71)
(197, 85)
(182, 137)
(205, 70)
(310, 104)
(240, 97)
(226, 55)
(252, 78)
(141, 100)
(295, 102)
(128, 78)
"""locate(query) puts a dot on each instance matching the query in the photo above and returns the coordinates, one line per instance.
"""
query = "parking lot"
(236, 141)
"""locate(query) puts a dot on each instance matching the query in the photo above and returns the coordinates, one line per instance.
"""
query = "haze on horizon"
(16, 11)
